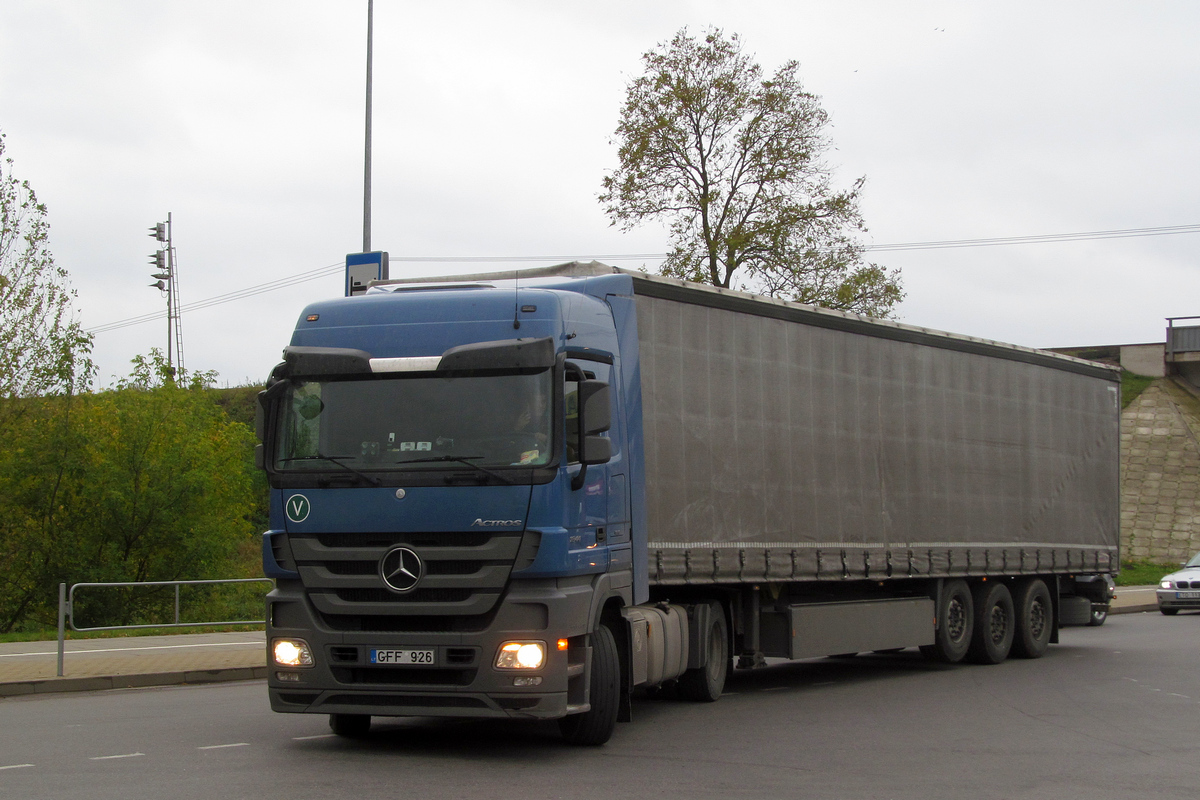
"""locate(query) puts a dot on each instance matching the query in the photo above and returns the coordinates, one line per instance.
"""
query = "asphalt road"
(1112, 712)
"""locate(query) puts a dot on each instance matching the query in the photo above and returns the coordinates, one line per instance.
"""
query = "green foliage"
(1133, 385)
(733, 163)
(238, 402)
(150, 481)
(42, 349)
(1143, 573)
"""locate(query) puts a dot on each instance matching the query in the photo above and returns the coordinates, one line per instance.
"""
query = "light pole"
(367, 147)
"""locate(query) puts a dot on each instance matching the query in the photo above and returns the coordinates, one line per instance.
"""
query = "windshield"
(1195, 561)
(426, 422)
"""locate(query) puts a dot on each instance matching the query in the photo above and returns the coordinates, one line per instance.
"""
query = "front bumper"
(462, 681)
(1170, 598)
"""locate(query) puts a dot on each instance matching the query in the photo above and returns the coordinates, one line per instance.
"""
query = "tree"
(149, 481)
(733, 163)
(42, 349)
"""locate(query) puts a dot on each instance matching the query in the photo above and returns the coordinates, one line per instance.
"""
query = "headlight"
(521, 655)
(291, 653)
(1165, 584)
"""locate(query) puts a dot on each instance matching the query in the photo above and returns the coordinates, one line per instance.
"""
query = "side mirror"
(265, 414)
(595, 417)
(595, 450)
(595, 407)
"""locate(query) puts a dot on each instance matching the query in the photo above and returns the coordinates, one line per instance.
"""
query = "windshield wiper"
(338, 461)
(468, 460)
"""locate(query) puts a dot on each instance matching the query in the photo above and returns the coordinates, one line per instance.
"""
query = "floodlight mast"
(166, 279)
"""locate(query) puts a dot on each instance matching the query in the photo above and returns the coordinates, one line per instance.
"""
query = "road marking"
(16, 766)
(318, 736)
(219, 746)
(1184, 696)
(130, 649)
(106, 758)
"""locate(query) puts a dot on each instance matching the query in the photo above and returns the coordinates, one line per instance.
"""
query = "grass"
(1143, 573)
(1132, 385)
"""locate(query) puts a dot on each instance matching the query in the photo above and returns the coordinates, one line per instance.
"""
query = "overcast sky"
(493, 129)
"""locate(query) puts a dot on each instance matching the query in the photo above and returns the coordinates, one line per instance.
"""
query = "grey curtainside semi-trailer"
(525, 495)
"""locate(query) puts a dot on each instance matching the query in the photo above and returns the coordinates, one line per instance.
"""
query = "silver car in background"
(1180, 590)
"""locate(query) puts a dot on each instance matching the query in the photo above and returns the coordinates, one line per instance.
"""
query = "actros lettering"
(495, 523)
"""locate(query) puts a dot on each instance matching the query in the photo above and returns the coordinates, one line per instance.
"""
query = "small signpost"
(362, 268)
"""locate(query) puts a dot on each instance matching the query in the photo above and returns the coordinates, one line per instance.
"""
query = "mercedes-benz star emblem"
(401, 569)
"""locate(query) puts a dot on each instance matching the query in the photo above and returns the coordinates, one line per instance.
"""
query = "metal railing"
(1181, 339)
(66, 609)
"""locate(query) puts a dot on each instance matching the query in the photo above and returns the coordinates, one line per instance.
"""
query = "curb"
(1134, 609)
(101, 682)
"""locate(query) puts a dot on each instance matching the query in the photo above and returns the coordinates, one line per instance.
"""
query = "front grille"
(404, 676)
(347, 623)
(517, 703)
(419, 596)
(405, 701)
(465, 573)
(343, 654)
(386, 540)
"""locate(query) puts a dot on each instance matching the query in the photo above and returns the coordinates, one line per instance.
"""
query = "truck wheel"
(705, 684)
(1034, 618)
(1098, 618)
(596, 725)
(350, 725)
(994, 623)
(955, 621)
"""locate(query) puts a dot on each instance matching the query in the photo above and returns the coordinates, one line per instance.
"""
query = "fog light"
(292, 677)
(291, 653)
(527, 680)
(521, 655)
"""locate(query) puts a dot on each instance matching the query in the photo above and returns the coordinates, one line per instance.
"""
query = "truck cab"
(451, 516)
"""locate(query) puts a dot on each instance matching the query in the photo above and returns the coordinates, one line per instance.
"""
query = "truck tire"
(705, 684)
(955, 616)
(1098, 617)
(351, 726)
(994, 623)
(1034, 617)
(595, 726)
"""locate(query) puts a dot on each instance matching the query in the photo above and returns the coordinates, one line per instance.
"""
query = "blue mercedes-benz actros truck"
(524, 496)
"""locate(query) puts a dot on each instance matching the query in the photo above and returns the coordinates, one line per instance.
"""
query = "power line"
(1040, 239)
(332, 269)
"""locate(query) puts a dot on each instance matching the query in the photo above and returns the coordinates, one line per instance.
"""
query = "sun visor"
(504, 354)
(326, 361)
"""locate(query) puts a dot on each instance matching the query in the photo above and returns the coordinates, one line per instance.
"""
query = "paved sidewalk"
(92, 664)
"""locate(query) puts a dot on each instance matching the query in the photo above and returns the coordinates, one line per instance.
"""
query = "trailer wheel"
(705, 684)
(955, 622)
(994, 624)
(595, 726)
(1098, 617)
(351, 726)
(1035, 617)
